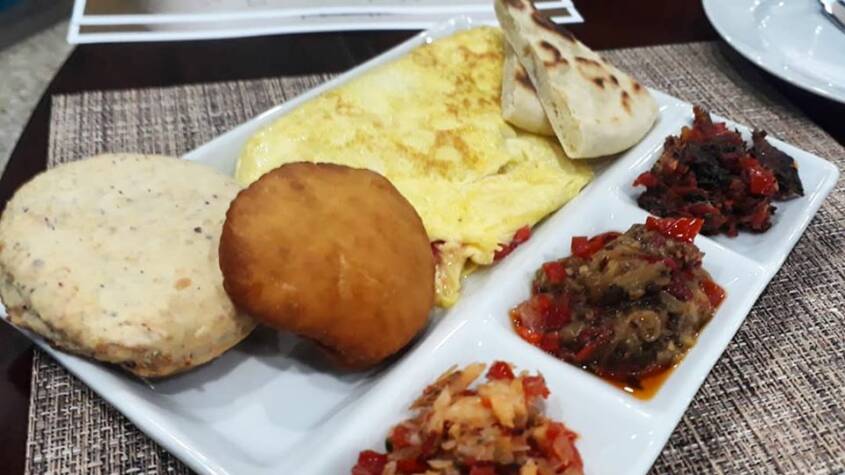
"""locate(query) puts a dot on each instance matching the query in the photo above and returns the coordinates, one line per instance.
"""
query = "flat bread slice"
(520, 105)
(594, 108)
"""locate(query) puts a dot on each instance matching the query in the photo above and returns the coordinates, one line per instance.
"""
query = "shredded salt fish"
(495, 428)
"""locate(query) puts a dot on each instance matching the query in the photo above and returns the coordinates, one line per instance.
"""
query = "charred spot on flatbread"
(638, 88)
(587, 61)
(626, 101)
(544, 22)
(522, 78)
(557, 56)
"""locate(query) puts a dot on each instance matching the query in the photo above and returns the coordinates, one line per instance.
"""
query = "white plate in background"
(110, 21)
(271, 405)
(791, 39)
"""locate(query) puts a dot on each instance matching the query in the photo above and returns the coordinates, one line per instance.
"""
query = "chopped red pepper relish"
(623, 306)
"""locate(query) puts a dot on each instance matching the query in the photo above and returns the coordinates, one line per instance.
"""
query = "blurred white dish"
(793, 40)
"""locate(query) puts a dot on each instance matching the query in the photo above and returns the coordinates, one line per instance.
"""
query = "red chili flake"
(584, 248)
(760, 216)
(401, 437)
(534, 386)
(650, 259)
(485, 401)
(558, 313)
(704, 210)
(658, 240)
(555, 272)
(550, 342)
(586, 352)
(503, 252)
(556, 431)
(544, 312)
(609, 236)
(719, 128)
(647, 180)
(592, 339)
(482, 470)
(435, 249)
(429, 446)
(524, 332)
(542, 303)
(500, 370)
(714, 292)
(529, 335)
(522, 234)
(410, 466)
(581, 246)
(761, 181)
(680, 229)
(370, 463)
(679, 289)
(672, 264)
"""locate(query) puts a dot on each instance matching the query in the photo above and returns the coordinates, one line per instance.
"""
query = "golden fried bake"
(332, 253)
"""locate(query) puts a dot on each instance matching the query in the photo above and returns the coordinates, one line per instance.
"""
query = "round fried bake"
(331, 253)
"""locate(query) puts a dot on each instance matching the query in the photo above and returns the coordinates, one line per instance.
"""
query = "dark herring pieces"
(709, 172)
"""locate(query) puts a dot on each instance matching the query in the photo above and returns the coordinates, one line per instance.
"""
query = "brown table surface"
(609, 24)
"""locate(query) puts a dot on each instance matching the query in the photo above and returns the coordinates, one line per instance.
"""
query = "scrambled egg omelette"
(431, 122)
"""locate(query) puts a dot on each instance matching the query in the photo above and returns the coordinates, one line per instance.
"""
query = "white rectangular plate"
(269, 406)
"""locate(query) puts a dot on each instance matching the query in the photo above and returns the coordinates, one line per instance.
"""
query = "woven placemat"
(775, 402)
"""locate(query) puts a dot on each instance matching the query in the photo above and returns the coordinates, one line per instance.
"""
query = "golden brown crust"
(332, 253)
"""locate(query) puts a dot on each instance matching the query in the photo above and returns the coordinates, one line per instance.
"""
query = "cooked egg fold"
(431, 122)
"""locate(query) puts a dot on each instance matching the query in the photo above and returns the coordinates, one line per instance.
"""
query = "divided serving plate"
(271, 405)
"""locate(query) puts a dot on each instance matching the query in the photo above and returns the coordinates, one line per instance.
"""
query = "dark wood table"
(609, 24)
